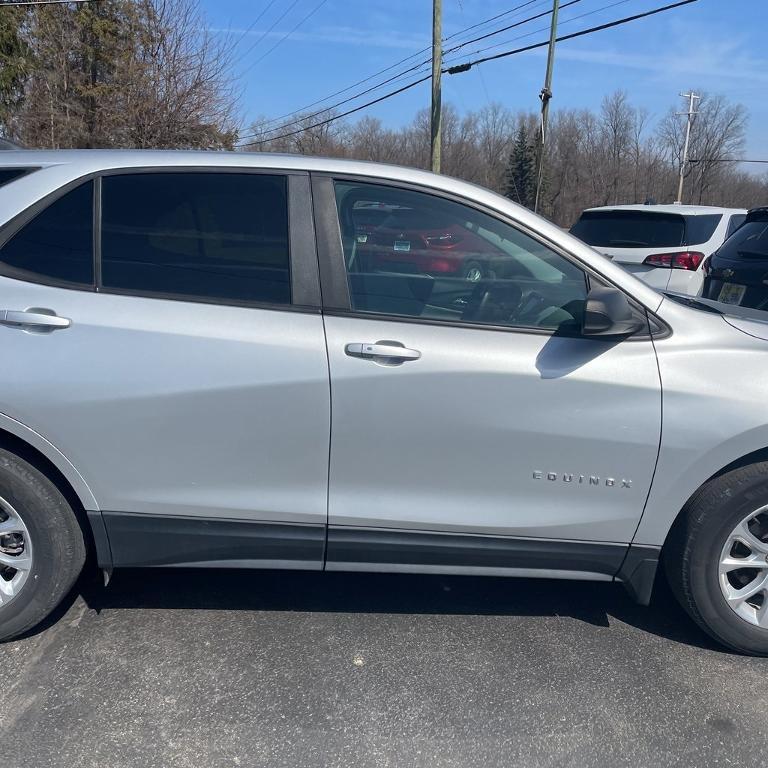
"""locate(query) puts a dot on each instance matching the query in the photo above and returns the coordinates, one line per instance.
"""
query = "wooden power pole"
(546, 96)
(436, 114)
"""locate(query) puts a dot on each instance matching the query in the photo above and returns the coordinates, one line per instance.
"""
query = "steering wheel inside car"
(505, 303)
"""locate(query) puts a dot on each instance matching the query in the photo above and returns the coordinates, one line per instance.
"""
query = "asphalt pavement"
(184, 669)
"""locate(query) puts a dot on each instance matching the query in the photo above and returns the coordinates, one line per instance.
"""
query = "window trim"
(333, 272)
(305, 281)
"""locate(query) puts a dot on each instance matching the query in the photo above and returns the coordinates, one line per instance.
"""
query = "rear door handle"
(44, 319)
(370, 351)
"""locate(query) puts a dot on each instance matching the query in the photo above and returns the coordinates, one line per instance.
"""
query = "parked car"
(664, 245)
(199, 371)
(392, 237)
(737, 273)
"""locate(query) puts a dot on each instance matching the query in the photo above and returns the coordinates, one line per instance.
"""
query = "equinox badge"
(568, 477)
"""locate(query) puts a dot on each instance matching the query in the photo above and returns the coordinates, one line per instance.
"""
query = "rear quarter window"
(57, 244)
(7, 175)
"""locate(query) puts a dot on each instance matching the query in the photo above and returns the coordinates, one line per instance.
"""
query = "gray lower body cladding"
(138, 540)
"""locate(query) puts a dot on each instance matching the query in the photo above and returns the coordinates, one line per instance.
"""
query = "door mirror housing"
(608, 313)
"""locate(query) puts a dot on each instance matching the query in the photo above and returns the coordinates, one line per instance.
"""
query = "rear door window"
(57, 244)
(211, 236)
(644, 229)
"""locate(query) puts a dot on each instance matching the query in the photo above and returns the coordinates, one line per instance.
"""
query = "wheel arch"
(753, 457)
(33, 448)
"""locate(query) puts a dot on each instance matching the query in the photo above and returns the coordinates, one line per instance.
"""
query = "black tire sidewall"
(715, 525)
(58, 547)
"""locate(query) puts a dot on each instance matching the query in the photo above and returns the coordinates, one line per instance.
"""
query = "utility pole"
(436, 115)
(692, 97)
(546, 96)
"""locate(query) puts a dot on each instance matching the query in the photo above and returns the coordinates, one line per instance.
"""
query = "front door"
(466, 405)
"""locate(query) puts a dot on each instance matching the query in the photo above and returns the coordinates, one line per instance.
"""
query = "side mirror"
(608, 313)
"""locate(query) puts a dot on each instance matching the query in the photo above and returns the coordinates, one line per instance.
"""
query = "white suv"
(664, 245)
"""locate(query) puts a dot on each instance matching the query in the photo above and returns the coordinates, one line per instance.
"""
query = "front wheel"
(42, 549)
(717, 559)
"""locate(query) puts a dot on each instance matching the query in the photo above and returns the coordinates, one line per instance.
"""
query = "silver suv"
(281, 362)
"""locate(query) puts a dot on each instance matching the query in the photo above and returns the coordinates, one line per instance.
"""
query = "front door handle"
(42, 319)
(371, 351)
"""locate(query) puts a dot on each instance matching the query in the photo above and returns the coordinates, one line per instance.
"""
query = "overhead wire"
(394, 78)
(468, 65)
(303, 21)
(398, 77)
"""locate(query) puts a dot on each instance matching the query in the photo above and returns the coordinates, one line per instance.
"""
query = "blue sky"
(719, 46)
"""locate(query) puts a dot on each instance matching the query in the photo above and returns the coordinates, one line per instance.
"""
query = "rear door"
(166, 337)
(472, 425)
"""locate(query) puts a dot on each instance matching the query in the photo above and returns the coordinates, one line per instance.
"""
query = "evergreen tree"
(521, 169)
(14, 55)
(125, 73)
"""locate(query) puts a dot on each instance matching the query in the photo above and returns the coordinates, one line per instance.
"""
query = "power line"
(250, 27)
(343, 114)
(393, 79)
(725, 160)
(599, 28)
(469, 65)
(288, 34)
(264, 34)
(545, 29)
(525, 21)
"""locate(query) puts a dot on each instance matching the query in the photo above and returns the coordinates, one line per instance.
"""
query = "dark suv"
(737, 273)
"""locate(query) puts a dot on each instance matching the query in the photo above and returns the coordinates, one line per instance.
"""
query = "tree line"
(149, 74)
(610, 156)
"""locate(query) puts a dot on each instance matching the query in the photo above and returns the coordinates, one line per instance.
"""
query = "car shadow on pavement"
(302, 591)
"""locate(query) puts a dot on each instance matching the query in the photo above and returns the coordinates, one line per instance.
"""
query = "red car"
(395, 239)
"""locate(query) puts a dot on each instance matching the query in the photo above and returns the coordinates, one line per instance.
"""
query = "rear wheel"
(42, 549)
(717, 559)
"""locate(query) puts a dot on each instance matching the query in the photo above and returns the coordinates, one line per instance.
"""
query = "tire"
(54, 537)
(706, 533)
(473, 271)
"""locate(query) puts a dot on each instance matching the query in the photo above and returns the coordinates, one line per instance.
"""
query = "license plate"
(731, 293)
(402, 245)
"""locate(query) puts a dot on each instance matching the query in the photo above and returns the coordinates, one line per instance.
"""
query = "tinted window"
(736, 221)
(423, 256)
(10, 174)
(58, 242)
(644, 229)
(750, 241)
(209, 235)
(698, 229)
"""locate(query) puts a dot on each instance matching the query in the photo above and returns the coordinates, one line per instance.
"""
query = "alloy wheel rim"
(743, 569)
(15, 553)
(474, 274)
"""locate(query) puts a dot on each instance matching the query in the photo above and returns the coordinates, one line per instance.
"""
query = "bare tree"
(593, 158)
(123, 73)
(717, 135)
